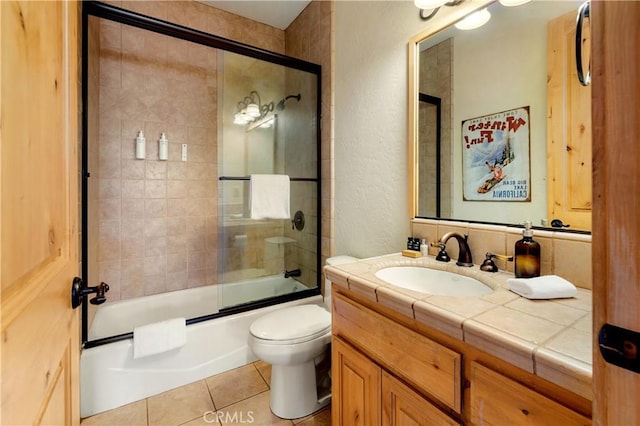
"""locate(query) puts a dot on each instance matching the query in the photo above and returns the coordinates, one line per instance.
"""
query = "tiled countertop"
(549, 338)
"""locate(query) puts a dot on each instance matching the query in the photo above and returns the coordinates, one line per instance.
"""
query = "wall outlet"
(184, 152)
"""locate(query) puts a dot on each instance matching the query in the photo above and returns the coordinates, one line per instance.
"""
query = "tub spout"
(464, 256)
(292, 273)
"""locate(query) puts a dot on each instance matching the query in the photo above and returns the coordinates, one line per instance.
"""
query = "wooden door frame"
(616, 197)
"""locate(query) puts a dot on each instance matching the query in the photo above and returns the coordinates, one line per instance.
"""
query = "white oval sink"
(433, 281)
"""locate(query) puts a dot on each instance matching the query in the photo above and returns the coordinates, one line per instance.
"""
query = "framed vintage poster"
(495, 157)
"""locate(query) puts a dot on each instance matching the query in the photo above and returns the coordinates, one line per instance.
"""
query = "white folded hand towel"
(545, 287)
(151, 339)
(269, 197)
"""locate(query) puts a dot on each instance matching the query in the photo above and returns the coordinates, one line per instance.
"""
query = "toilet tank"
(333, 261)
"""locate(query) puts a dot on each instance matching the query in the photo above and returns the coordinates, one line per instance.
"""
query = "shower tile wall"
(157, 220)
(310, 37)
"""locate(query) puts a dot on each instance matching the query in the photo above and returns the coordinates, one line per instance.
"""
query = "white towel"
(545, 287)
(151, 339)
(269, 197)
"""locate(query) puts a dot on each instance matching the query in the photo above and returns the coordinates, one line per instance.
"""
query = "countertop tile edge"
(564, 371)
(510, 348)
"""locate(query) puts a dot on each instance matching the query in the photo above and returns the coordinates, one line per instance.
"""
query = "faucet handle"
(489, 265)
(442, 255)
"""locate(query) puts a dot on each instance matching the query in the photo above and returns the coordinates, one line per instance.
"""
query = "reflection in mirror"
(506, 65)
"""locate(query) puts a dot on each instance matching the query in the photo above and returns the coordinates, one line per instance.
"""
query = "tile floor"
(235, 397)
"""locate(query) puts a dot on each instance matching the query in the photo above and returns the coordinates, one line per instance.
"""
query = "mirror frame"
(444, 18)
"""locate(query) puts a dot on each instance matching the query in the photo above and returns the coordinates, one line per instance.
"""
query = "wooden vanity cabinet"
(385, 373)
(389, 370)
(356, 382)
(366, 394)
(498, 400)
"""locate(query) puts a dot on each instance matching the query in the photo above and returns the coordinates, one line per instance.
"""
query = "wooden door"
(39, 205)
(568, 128)
(401, 406)
(616, 196)
(355, 387)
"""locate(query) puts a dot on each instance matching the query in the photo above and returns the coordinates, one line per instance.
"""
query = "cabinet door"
(498, 400)
(401, 406)
(355, 387)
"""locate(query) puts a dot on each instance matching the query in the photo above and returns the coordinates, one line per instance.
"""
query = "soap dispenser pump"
(527, 254)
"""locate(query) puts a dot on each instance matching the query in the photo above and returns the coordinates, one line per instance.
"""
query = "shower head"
(280, 105)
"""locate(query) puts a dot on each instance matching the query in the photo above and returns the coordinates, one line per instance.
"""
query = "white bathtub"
(123, 316)
(110, 377)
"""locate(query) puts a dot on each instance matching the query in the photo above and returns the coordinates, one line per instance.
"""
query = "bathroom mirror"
(463, 79)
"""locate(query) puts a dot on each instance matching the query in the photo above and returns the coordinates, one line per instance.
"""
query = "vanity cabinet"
(356, 385)
(498, 400)
(388, 369)
(388, 373)
(366, 394)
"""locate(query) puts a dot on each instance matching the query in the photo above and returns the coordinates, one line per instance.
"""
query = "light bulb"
(510, 3)
(475, 20)
(253, 110)
(239, 119)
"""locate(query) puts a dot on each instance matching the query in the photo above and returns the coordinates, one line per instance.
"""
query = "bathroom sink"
(433, 281)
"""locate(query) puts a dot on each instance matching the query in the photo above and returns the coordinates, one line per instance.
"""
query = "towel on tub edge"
(151, 339)
(545, 287)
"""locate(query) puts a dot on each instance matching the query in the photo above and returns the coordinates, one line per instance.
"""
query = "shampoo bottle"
(527, 254)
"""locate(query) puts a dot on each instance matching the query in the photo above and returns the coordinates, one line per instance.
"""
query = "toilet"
(296, 342)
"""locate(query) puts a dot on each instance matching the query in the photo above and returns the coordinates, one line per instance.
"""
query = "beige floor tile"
(320, 418)
(180, 405)
(208, 419)
(131, 414)
(254, 411)
(235, 385)
(265, 371)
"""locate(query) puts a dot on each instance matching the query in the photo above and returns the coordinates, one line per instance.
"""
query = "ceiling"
(277, 13)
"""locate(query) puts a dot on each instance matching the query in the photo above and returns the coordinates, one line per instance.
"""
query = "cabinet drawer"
(402, 406)
(425, 364)
(498, 400)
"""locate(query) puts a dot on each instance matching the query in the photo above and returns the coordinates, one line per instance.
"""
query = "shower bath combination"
(167, 233)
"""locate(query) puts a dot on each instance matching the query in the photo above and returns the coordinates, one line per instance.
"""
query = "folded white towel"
(151, 339)
(545, 287)
(269, 197)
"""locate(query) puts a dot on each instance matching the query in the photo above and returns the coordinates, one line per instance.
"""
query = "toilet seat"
(292, 325)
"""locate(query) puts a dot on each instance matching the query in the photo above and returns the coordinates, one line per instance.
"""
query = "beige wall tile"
(571, 261)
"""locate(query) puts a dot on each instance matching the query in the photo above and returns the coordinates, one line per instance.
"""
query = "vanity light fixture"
(433, 6)
(475, 20)
(510, 3)
(251, 109)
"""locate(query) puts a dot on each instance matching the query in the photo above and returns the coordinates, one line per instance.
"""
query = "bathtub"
(110, 377)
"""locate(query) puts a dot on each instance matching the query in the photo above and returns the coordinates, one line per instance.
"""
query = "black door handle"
(78, 291)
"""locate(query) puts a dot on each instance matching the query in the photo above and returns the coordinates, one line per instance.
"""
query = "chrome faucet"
(464, 254)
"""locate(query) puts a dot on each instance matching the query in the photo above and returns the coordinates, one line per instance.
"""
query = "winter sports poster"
(495, 157)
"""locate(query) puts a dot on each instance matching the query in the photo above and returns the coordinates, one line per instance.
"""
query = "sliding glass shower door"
(266, 257)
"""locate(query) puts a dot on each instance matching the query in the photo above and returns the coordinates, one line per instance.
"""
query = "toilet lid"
(293, 323)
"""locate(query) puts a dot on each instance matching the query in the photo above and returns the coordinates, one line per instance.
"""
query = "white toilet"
(296, 342)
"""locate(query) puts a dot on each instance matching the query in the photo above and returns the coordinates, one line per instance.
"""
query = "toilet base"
(293, 389)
